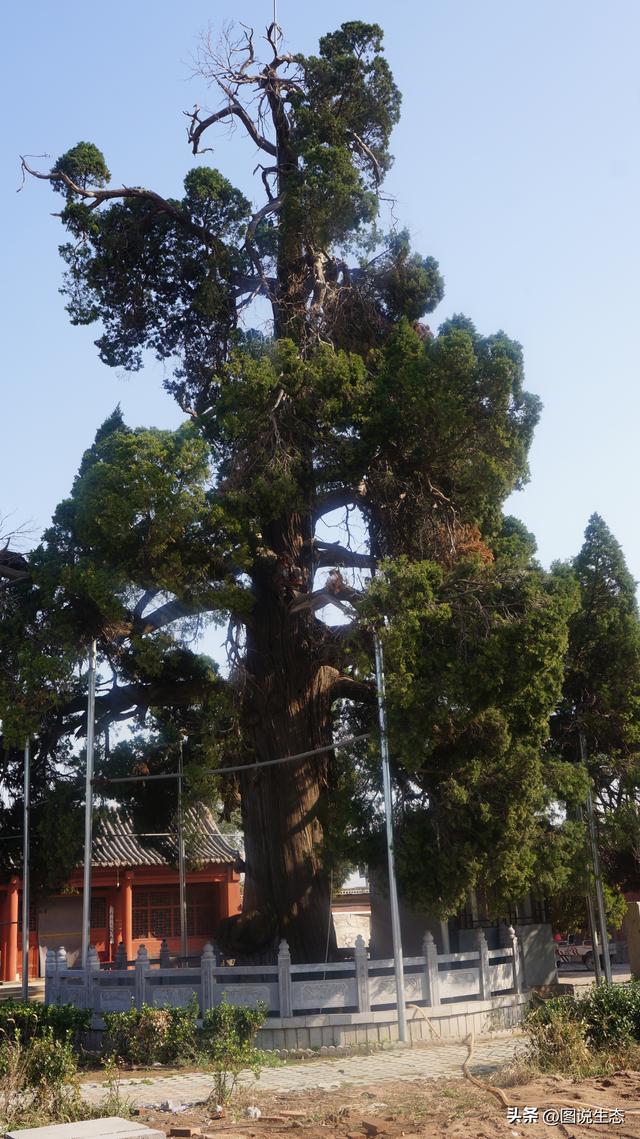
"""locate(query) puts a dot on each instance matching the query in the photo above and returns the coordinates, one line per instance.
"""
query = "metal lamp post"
(388, 812)
(25, 873)
(88, 808)
(184, 944)
(597, 875)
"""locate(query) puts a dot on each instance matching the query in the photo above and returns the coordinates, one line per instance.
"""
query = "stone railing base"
(443, 1023)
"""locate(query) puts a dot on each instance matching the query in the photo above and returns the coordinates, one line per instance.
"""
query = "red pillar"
(126, 911)
(4, 933)
(10, 967)
(230, 896)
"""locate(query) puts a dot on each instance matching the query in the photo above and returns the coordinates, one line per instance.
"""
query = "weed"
(114, 1103)
(228, 1033)
(587, 1035)
(39, 1082)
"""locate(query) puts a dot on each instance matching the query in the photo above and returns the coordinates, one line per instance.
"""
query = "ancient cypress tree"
(347, 403)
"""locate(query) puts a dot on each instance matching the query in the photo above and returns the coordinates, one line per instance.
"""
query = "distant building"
(351, 909)
(134, 895)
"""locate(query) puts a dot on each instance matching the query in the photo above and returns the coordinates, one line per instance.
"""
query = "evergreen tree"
(350, 404)
(601, 697)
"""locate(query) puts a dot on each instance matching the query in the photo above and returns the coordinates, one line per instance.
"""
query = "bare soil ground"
(428, 1109)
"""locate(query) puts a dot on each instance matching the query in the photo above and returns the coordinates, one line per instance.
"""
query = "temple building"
(134, 895)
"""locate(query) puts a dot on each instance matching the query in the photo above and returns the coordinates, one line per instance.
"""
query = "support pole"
(88, 809)
(597, 875)
(388, 812)
(184, 942)
(25, 873)
(595, 940)
(591, 920)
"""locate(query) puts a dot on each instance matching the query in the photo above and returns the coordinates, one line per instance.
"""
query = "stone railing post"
(207, 965)
(362, 974)
(50, 994)
(61, 979)
(93, 979)
(517, 964)
(121, 957)
(141, 970)
(165, 956)
(504, 937)
(284, 980)
(430, 976)
(484, 966)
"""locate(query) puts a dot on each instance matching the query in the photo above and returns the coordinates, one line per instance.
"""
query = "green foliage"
(166, 275)
(603, 666)
(450, 413)
(153, 1035)
(56, 819)
(228, 1034)
(474, 658)
(154, 284)
(348, 400)
(85, 166)
(62, 1023)
(577, 1034)
(28, 1021)
(342, 118)
(39, 1082)
(601, 699)
(224, 1043)
(50, 1061)
(409, 285)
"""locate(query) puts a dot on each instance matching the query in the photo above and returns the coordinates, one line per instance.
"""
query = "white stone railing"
(288, 990)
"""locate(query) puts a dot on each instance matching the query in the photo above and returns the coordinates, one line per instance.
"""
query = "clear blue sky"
(517, 166)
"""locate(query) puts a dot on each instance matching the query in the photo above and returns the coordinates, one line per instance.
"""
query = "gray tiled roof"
(115, 843)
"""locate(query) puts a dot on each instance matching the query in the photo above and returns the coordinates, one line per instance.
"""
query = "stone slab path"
(422, 1062)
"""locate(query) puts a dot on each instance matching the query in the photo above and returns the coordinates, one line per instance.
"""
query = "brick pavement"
(422, 1062)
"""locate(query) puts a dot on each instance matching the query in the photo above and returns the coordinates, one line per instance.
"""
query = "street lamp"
(396, 932)
(88, 808)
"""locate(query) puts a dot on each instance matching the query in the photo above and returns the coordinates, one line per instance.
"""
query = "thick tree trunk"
(287, 710)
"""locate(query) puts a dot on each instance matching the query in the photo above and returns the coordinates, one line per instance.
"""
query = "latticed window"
(156, 913)
(98, 918)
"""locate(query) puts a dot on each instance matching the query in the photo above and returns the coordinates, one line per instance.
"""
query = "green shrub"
(224, 1043)
(611, 1015)
(64, 1022)
(227, 1041)
(153, 1035)
(572, 1034)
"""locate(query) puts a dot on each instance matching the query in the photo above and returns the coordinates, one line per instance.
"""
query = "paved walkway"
(12, 990)
(584, 978)
(422, 1062)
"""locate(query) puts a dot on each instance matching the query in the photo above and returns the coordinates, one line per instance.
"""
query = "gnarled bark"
(286, 710)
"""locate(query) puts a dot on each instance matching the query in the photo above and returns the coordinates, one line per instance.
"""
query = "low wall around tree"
(447, 995)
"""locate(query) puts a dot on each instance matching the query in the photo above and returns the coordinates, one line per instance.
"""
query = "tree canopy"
(601, 700)
(349, 403)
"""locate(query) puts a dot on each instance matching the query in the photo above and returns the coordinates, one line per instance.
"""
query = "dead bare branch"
(367, 153)
(99, 196)
(198, 126)
(270, 207)
(334, 554)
